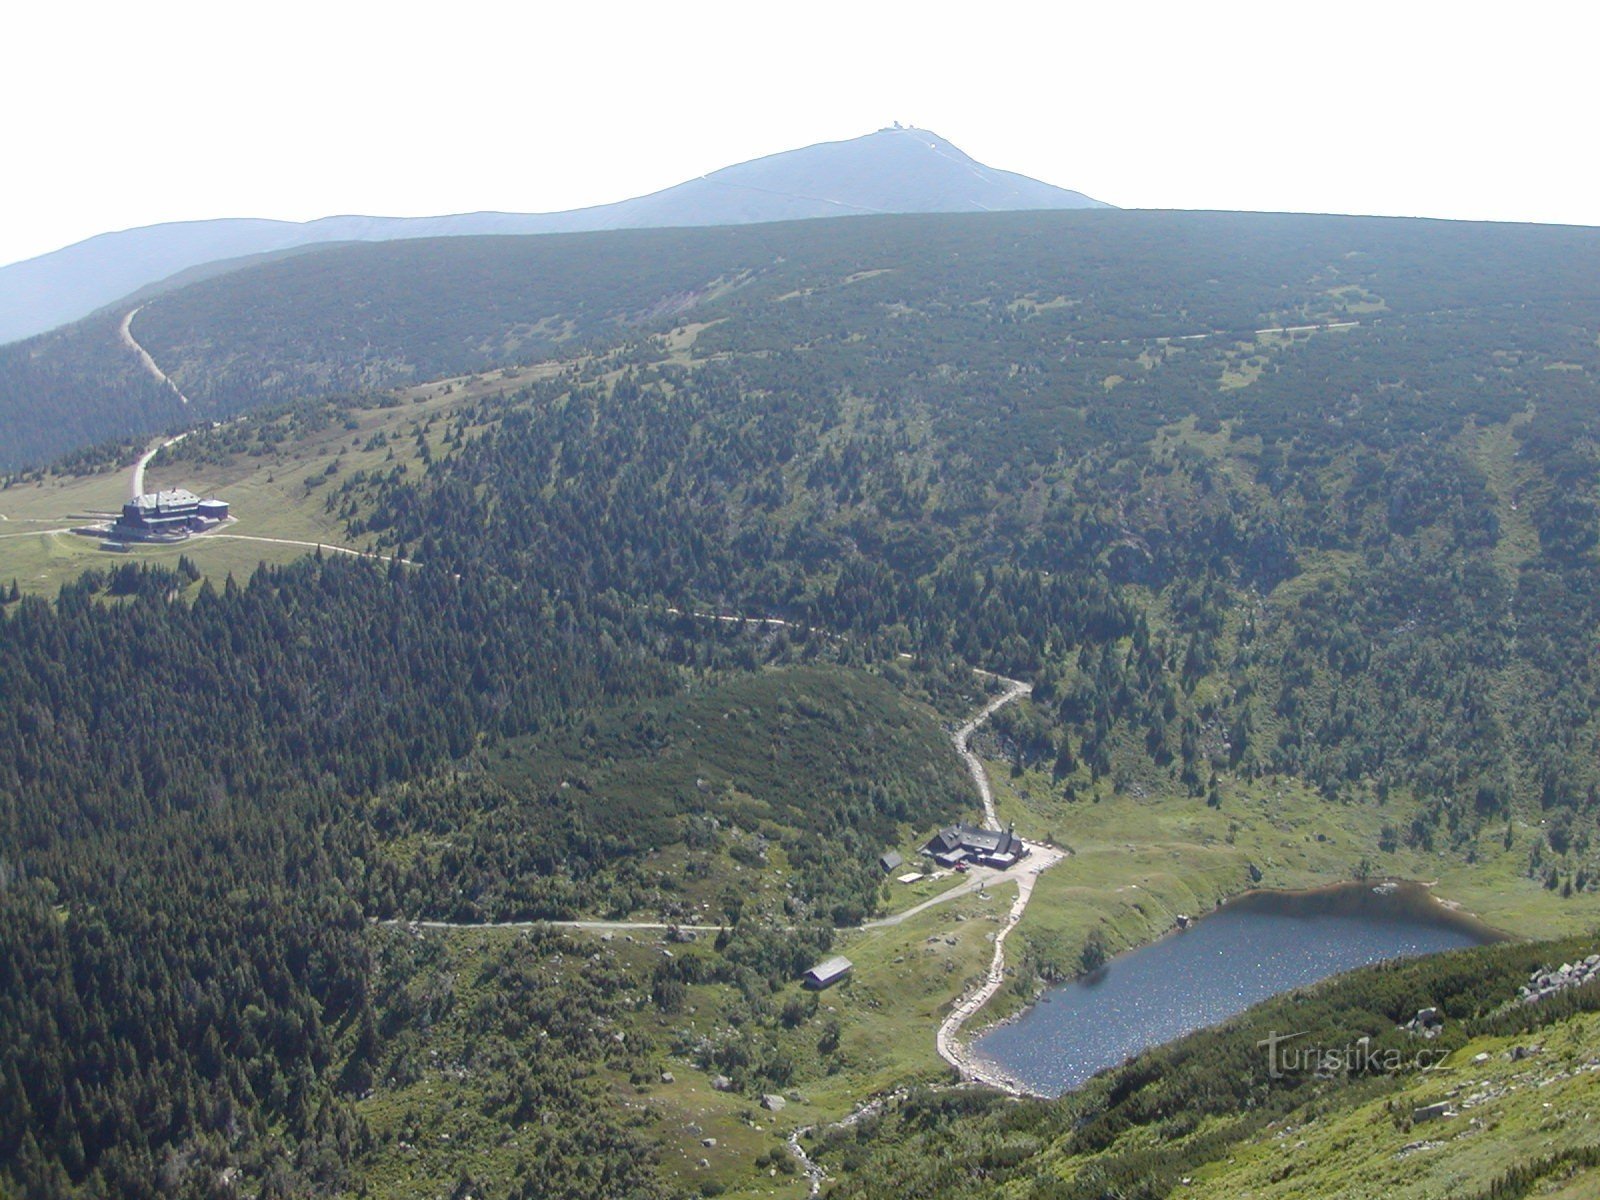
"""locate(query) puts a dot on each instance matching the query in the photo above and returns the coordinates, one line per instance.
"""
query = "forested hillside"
(210, 791)
(974, 293)
(1362, 555)
(74, 389)
(1245, 499)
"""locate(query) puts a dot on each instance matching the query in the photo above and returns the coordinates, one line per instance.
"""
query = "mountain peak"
(897, 169)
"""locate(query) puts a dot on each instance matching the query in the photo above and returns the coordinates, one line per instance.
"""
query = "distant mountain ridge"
(896, 170)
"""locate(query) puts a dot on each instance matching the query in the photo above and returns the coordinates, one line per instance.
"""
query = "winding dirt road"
(36, 532)
(595, 926)
(327, 546)
(1040, 858)
(948, 1040)
(977, 880)
(1013, 689)
(136, 488)
(980, 879)
(1200, 337)
(126, 333)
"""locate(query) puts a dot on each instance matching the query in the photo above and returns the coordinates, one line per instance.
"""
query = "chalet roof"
(975, 840)
(830, 969)
(155, 502)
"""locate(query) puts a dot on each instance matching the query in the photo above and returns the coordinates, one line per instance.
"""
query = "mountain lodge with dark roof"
(971, 843)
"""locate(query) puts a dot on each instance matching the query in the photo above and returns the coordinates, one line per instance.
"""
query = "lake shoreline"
(1377, 903)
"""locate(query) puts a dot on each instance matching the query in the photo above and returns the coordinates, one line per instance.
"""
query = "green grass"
(1138, 862)
(1510, 1112)
(898, 897)
(436, 1128)
(268, 499)
(1494, 451)
(715, 746)
(41, 563)
(905, 979)
(281, 494)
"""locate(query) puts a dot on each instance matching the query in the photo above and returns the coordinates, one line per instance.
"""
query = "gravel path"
(962, 736)
(948, 1040)
(137, 487)
(126, 332)
(1040, 858)
(329, 547)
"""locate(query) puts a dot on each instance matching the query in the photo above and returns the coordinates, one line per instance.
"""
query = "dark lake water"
(1252, 947)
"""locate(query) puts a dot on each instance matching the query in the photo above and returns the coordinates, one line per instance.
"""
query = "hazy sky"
(134, 113)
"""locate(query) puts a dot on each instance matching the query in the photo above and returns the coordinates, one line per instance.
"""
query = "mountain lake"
(1252, 947)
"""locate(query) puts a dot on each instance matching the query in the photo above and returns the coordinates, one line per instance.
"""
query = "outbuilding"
(828, 972)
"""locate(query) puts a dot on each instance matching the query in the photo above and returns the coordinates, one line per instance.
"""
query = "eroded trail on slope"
(1040, 858)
